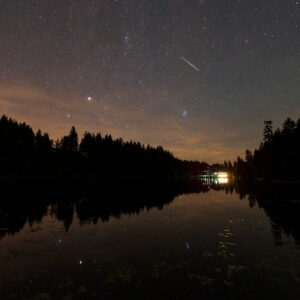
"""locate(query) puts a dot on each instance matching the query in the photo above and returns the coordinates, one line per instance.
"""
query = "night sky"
(198, 77)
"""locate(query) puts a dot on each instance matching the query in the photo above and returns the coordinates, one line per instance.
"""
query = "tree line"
(25, 153)
(277, 157)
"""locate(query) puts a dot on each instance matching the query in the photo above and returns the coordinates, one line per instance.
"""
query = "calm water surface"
(225, 242)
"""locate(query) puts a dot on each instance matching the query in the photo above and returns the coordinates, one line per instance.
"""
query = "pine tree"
(268, 131)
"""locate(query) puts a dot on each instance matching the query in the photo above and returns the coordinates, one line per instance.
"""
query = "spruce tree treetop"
(268, 131)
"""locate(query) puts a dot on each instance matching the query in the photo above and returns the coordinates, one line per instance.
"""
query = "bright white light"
(89, 98)
(80, 262)
(222, 180)
(222, 175)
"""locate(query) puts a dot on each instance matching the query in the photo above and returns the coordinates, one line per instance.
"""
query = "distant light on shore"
(221, 174)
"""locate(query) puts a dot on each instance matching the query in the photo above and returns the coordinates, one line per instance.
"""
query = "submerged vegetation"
(277, 158)
(25, 153)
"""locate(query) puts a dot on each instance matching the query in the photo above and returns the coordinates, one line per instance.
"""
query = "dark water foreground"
(150, 240)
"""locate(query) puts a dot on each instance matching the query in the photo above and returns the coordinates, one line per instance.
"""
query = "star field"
(116, 67)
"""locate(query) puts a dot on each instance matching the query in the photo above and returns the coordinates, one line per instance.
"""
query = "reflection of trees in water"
(281, 203)
(23, 204)
(28, 203)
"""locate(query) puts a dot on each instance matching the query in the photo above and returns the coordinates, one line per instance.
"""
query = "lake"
(150, 240)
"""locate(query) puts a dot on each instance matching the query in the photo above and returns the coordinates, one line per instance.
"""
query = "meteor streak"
(189, 63)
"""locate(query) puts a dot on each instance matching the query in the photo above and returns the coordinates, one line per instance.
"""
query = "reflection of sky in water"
(200, 242)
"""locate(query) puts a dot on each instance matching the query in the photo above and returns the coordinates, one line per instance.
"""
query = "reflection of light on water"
(222, 180)
(215, 178)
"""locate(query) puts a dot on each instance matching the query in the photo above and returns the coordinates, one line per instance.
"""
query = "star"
(103, 57)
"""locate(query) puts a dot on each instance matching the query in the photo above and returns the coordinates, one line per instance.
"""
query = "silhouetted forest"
(278, 156)
(24, 153)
